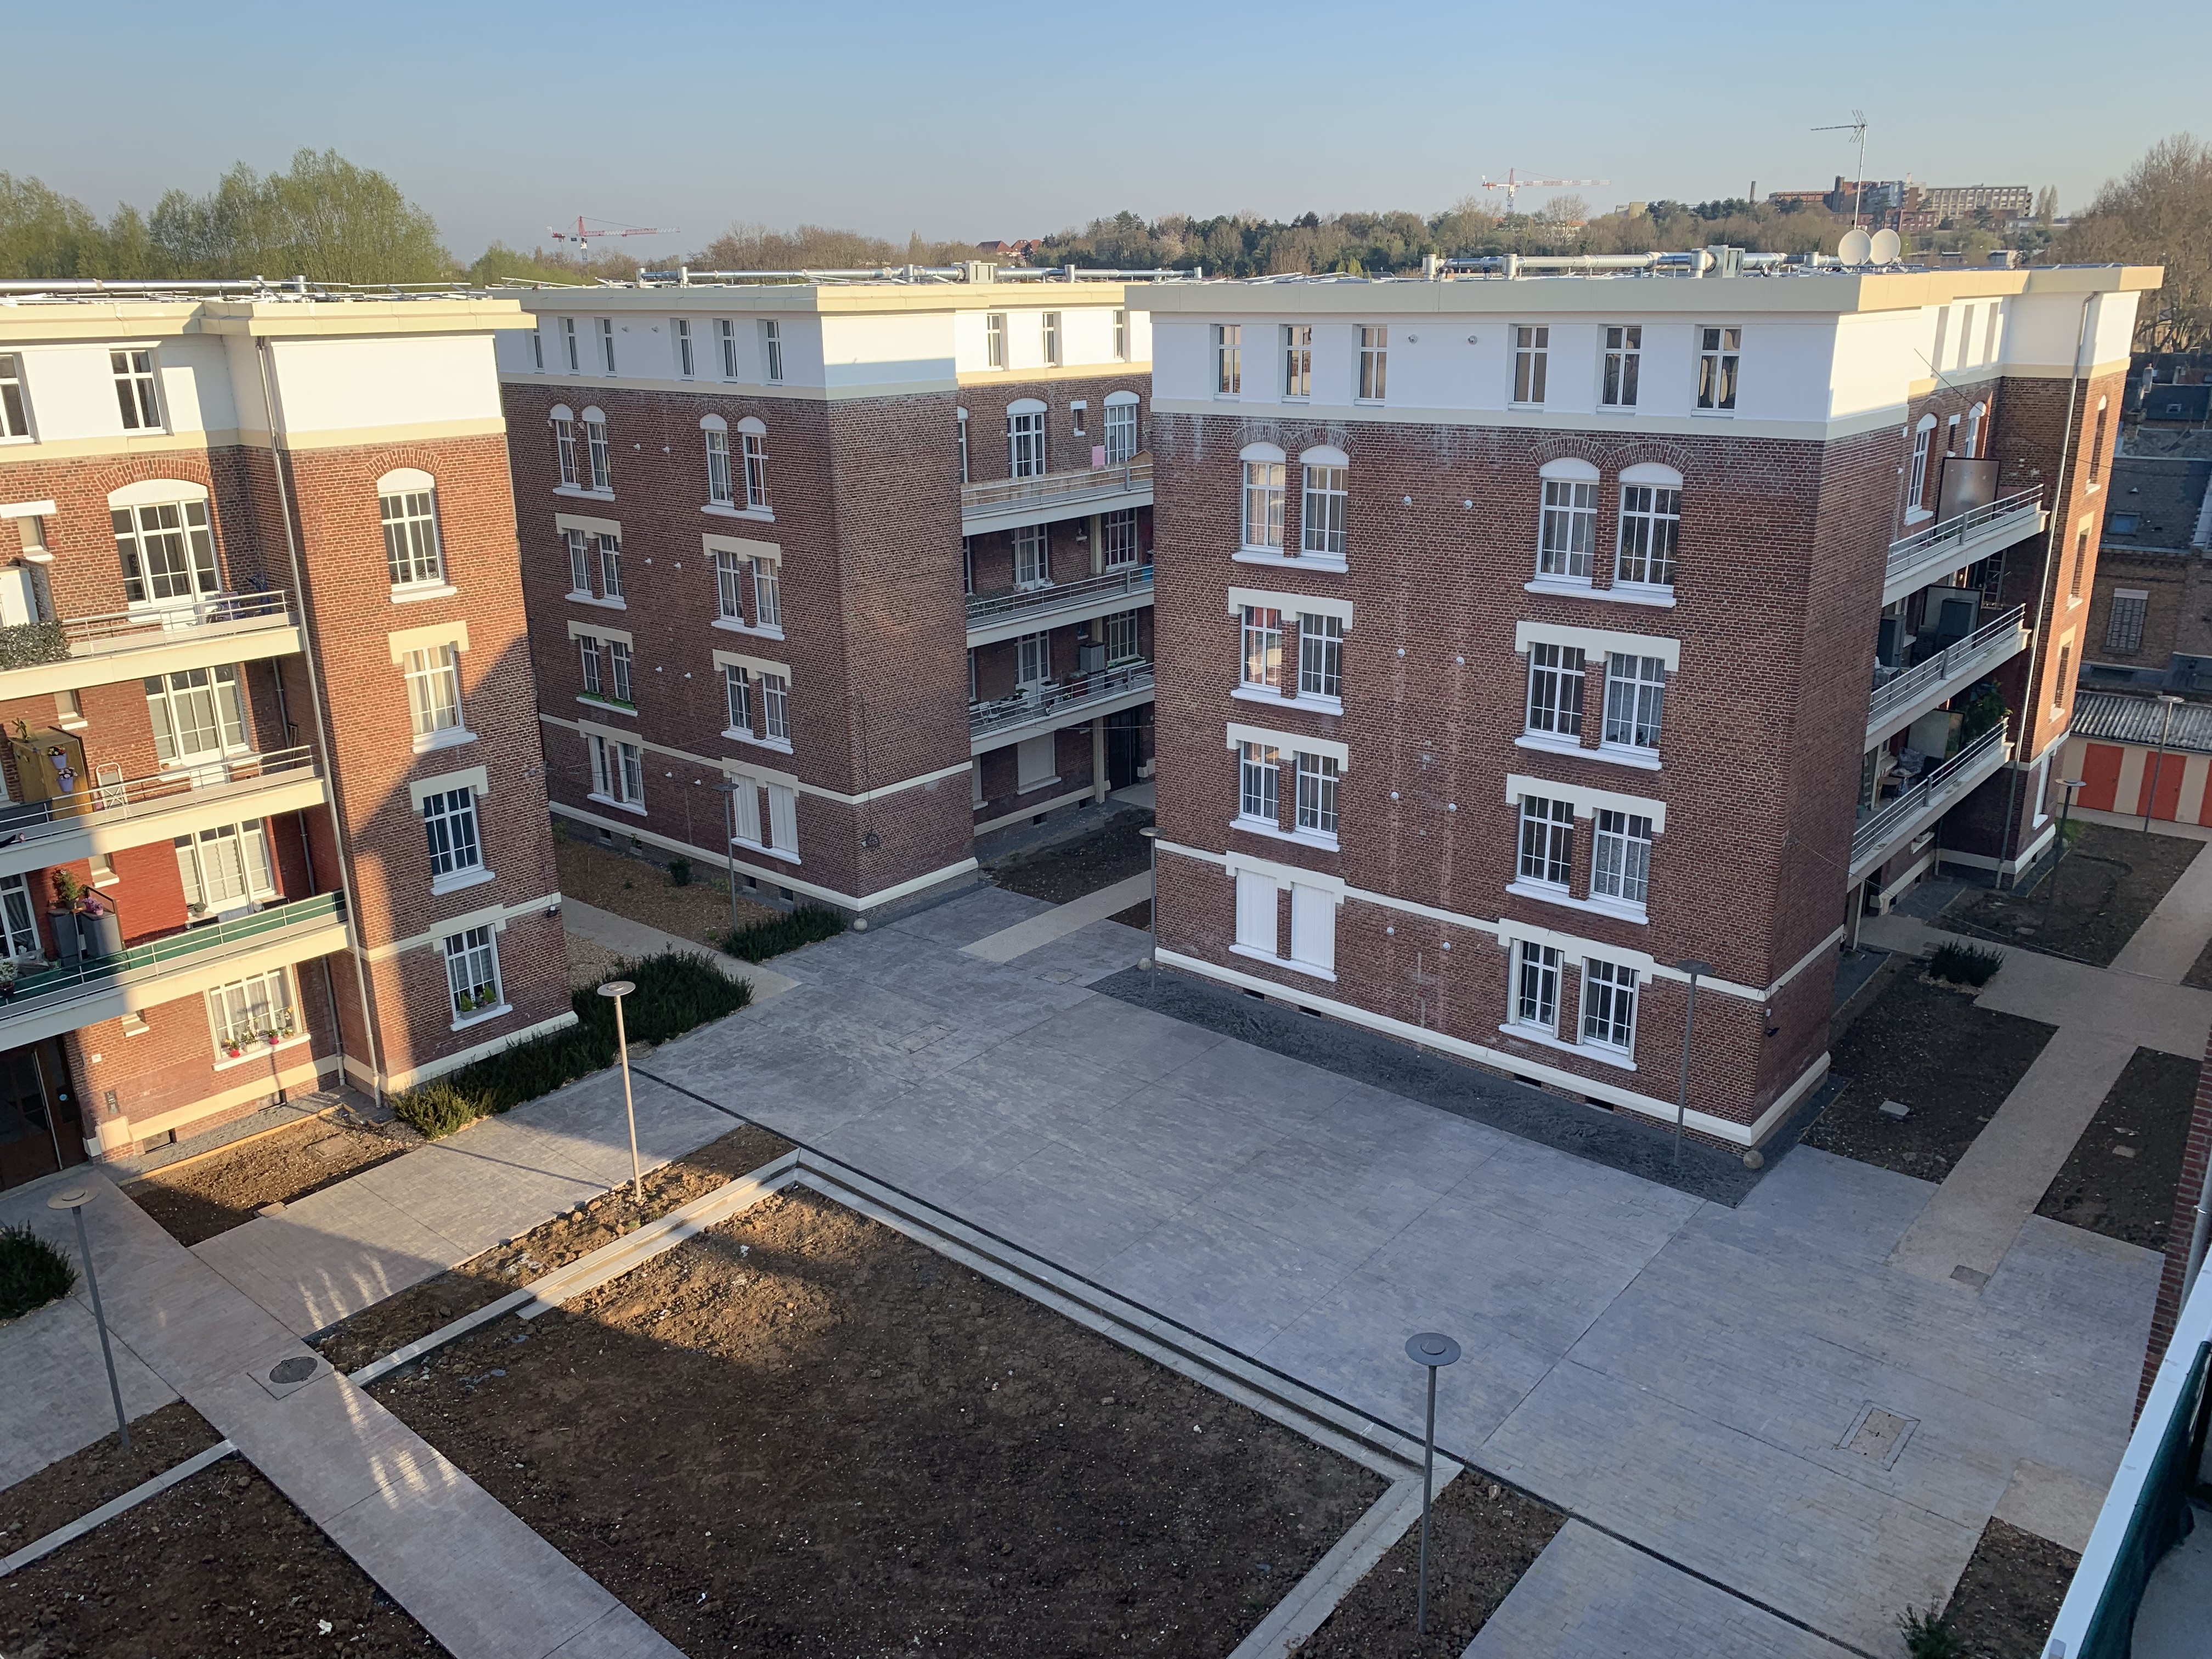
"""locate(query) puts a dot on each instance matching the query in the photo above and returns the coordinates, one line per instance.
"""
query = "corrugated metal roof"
(2108, 717)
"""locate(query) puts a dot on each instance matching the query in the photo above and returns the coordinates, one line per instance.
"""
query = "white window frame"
(1032, 547)
(15, 397)
(609, 549)
(1532, 359)
(1536, 987)
(1033, 658)
(1258, 785)
(1610, 995)
(1545, 849)
(768, 596)
(587, 657)
(1228, 360)
(1318, 779)
(1320, 657)
(1915, 487)
(537, 349)
(1324, 509)
(1634, 701)
(1124, 637)
(961, 422)
(775, 709)
(1620, 859)
(1622, 370)
(617, 771)
(249, 1011)
(1121, 429)
(22, 929)
(738, 700)
(622, 684)
(573, 351)
(1118, 530)
(1025, 443)
(432, 674)
(167, 553)
(196, 715)
(1554, 707)
(1297, 362)
(752, 445)
(455, 835)
(601, 454)
(413, 555)
(136, 371)
(234, 858)
(1567, 539)
(772, 350)
(564, 451)
(1260, 665)
(606, 337)
(719, 491)
(1720, 356)
(1373, 384)
(472, 980)
(579, 543)
(1121, 334)
(679, 335)
(1049, 337)
(1258, 923)
(994, 339)
(1262, 516)
(1647, 539)
(725, 340)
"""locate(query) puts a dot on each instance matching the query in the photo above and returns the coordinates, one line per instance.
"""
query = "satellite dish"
(1854, 246)
(1885, 247)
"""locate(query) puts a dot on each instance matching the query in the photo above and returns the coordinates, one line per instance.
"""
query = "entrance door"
(197, 717)
(1124, 741)
(38, 1114)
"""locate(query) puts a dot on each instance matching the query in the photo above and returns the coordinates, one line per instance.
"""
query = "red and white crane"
(1513, 183)
(583, 237)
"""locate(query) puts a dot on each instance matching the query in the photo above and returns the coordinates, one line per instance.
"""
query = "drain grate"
(1879, 1435)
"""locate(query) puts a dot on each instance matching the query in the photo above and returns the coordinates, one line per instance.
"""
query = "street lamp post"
(1151, 834)
(614, 990)
(2158, 761)
(2065, 811)
(74, 1199)
(1431, 1351)
(728, 790)
(1694, 970)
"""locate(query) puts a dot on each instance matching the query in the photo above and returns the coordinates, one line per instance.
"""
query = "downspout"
(307, 862)
(277, 463)
(2054, 550)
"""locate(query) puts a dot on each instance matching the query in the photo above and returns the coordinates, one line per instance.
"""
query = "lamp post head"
(69, 1198)
(617, 988)
(2072, 783)
(1150, 832)
(1695, 969)
(1431, 1349)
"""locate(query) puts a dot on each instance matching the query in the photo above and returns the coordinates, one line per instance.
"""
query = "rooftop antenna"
(1514, 184)
(1856, 127)
(583, 237)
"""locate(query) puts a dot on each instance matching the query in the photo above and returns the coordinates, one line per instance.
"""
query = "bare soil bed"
(79, 1484)
(2009, 1593)
(644, 892)
(219, 1564)
(203, 1196)
(1069, 869)
(803, 1432)
(2122, 1175)
(2089, 903)
(422, 1309)
(1482, 1537)
(1949, 1060)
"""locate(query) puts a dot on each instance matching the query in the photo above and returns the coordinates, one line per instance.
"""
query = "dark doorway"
(1124, 747)
(38, 1114)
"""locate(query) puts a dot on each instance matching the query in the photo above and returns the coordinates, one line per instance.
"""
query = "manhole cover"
(1880, 1435)
(298, 1369)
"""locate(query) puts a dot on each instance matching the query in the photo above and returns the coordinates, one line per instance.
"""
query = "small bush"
(32, 1273)
(757, 941)
(679, 873)
(676, 990)
(1965, 964)
(1929, 1635)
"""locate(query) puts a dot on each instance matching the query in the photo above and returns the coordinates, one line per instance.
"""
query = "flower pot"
(103, 933)
(68, 942)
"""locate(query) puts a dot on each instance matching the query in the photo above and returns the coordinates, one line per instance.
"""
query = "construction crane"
(1856, 127)
(583, 238)
(1514, 184)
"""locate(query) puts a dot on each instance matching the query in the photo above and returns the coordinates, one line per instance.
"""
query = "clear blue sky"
(978, 122)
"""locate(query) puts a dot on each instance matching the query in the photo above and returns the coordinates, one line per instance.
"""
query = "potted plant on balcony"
(7, 979)
(69, 899)
(102, 927)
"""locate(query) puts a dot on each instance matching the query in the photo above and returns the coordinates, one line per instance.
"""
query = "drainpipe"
(2198, 1237)
(323, 736)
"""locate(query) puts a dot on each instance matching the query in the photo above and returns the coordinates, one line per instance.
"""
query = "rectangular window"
(1032, 557)
(756, 457)
(725, 338)
(1609, 1006)
(1536, 989)
(1313, 927)
(767, 594)
(1078, 413)
(1122, 637)
(1532, 356)
(1025, 444)
(250, 1010)
(168, 551)
(1121, 335)
(961, 424)
(1298, 360)
(135, 390)
(1624, 358)
(1973, 440)
(1228, 359)
(1635, 697)
(587, 653)
(579, 562)
(1374, 362)
(410, 537)
(775, 707)
(449, 820)
(1321, 656)
(197, 714)
(570, 346)
(1035, 760)
(719, 492)
(564, 451)
(606, 327)
(1258, 795)
(1555, 689)
(1121, 531)
(610, 586)
(994, 339)
(1048, 324)
(772, 349)
(2123, 626)
(14, 411)
(1548, 841)
(1569, 529)
(1621, 863)
(433, 691)
(1916, 487)
(1263, 647)
(968, 587)
(2096, 442)
(782, 818)
(1121, 432)
(738, 697)
(1650, 523)
(1033, 658)
(679, 332)
(2081, 565)
(224, 868)
(537, 349)
(618, 770)
(1256, 928)
(22, 932)
(618, 664)
(1317, 780)
(1263, 505)
(1717, 352)
(1323, 509)
(602, 457)
(2059, 681)
(473, 972)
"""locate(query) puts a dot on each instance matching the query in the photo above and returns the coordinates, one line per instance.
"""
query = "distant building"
(2005, 201)
(1012, 250)
(2147, 629)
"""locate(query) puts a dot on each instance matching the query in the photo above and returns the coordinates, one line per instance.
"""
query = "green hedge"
(32, 1273)
(675, 992)
(1965, 964)
(757, 941)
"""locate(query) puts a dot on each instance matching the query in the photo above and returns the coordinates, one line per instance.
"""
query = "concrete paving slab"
(2052, 1503)
(1240, 1285)
(2168, 943)
(1061, 920)
(637, 939)
(55, 1399)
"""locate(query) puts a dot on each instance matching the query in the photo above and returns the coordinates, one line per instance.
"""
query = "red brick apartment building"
(827, 580)
(1523, 637)
(274, 804)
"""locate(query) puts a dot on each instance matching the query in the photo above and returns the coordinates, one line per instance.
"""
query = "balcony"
(1942, 549)
(1877, 837)
(62, 997)
(136, 812)
(1907, 694)
(1037, 709)
(1004, 616)
(1010, 503)
(36, 659)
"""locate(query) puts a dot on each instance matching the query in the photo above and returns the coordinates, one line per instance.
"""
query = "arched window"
(1650, 521)
(1923, 439)
(596, 450)
(1568, 530)
(752, 441)
(407, 502)
(1122, 441)
(164, 540)
(716, 432)
(1975, 417)
(1323, 502)
(1262, 519)
(1025, 451)
(564, 422)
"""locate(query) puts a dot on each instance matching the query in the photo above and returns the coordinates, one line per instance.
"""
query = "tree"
(326, 219)
(500, 264)
(2159, 213)
(2046, 204)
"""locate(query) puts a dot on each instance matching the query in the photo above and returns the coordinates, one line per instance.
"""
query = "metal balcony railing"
(61, 985)
(1056, 701)
(985, 610)
(1987, 646)
(2014, 511)
(119, 800)
(31, 645)
(1058, 489)
(1954, 777)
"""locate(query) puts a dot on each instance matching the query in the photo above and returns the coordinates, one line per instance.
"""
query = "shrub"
(1929, 1635)
(759, 940)
(1965, 964)
(32, 1273)
(676, 990)
(679, 873)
